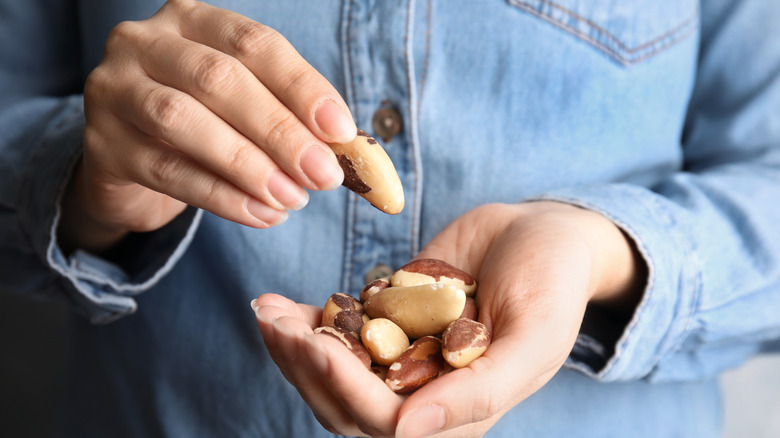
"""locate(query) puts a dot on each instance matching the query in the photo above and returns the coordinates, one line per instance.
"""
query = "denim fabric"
(662, 115)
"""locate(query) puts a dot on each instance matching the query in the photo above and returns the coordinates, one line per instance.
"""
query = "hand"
(538, 265)
(201, 106)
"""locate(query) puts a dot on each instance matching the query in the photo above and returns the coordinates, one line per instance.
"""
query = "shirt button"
(387, 122)
(379, 271)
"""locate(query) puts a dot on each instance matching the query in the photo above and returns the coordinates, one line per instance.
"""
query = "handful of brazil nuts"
(412, 327)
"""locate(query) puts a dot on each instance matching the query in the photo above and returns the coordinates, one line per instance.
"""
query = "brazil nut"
(349, 341)
(421, 310)
(369, 172)
(425, 271)
(418, 365)
(464, 341)
(384, 340)
(343, 311)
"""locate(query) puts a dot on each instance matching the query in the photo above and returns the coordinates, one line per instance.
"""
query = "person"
(608, 172)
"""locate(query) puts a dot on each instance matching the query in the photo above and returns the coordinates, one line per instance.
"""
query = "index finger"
(276, 63)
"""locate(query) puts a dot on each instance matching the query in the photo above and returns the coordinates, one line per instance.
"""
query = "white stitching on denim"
(662, 42)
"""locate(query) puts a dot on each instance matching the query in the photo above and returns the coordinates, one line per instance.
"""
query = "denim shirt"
(663, 115)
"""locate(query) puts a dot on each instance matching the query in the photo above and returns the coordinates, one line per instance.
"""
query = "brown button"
(379, 271)
(386, 123)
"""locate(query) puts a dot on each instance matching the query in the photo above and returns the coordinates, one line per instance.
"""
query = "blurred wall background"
(32, 354)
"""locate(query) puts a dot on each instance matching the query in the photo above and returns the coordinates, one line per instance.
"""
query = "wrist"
(77, 227)
(620, 272)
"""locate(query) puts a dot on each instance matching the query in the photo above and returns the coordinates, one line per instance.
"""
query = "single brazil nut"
(421, 310)
(372, 288)
(418, 365)
(349, 341)
(464, 341)
(425, 271)
(384, 340)
(369, 172)
(343, 311)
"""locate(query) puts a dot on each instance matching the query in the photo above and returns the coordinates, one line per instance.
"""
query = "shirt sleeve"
(708, 233)
(41, 128)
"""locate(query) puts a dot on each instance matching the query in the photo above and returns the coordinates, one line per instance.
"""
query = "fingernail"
(254, 305)
(422, 422)
(335, 122)
(322, 168)
(267, 215)
(287, 192)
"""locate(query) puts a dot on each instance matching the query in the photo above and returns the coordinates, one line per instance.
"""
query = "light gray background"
(32, 340)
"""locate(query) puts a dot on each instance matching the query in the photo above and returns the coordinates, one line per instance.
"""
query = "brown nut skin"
(470, 310)
(418, 365)
(464, 341)
(384, 340)
(421, 310)
(372, 288)
(349, 341)
(425, 271)
(380, 371)
(369, 172)
(343, 311)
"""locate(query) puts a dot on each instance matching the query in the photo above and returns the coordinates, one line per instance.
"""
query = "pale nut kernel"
(369, 172)
(421, 310)
(464, 341)
(343, 311)
(349, 341)
(384, 340)
(418, 365)
(372, 288)
(425, 271)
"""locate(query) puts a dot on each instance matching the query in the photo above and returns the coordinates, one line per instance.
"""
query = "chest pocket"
(629, 31)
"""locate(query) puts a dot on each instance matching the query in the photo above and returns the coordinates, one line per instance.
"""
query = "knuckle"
(299, 78)
(165, 110)
(97, 84)
(248, 37)
(282, 127)
(164, 169)
(123, 34)
(240, 157)
(215, 73)
(215, 194)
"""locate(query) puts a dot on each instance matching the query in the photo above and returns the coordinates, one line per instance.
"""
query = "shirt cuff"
(610, 351)
(101, 290)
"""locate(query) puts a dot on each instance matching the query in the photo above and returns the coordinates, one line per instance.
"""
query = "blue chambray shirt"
(664, 115)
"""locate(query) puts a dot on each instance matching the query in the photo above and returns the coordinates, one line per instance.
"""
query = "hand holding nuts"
(370, 173)
(425, 301)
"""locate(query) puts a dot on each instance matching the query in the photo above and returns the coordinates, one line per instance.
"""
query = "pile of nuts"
(412, 327)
